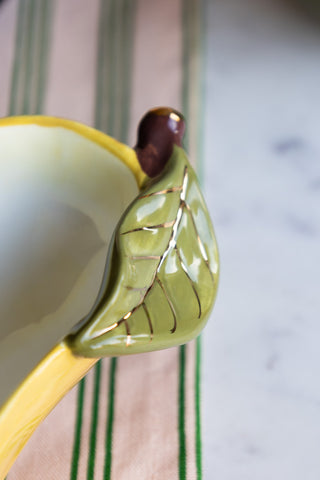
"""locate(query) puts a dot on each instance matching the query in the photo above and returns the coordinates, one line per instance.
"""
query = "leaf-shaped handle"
(161, 275)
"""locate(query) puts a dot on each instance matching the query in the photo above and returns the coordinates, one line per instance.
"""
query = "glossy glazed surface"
(161, 276)
(159, 130)
(61, 196)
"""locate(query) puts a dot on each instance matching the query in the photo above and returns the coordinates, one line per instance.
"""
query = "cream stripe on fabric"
(190, 419)
(7, 44)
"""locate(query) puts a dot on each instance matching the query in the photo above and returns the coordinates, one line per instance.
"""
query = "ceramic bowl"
(96, 257)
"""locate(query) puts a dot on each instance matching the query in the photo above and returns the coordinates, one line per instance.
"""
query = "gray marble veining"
(261, 384)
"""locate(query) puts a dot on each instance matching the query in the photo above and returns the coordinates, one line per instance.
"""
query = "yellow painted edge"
(44, 387)
(125, 153)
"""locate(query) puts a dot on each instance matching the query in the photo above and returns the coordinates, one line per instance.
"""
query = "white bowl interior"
(61, 196)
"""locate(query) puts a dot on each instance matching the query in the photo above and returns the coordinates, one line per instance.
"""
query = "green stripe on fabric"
(202, 28)
(45, 34)
(182, 349)
(31, 55)
(193, 31)
(99, 122)
(128, 61)
(192, 92)
(200, 171)
(109, 127)
(198, 408)
(117, 44)
(37, 60)
(111, 115)
(185, 67)
(23, 52)
(110, 419)
(99, 110)
(29, 58)
(182, 414)
(200, 153)
(120, 45)
(101, 73)
(18, 56)
(94, 421)
(78, 429)
(111, 70)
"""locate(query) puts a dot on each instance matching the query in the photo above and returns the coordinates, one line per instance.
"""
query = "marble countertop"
(261, 355)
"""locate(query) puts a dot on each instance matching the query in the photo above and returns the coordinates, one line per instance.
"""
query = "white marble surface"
(261, 348)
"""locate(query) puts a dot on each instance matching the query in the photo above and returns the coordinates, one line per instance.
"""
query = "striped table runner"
(105, 62)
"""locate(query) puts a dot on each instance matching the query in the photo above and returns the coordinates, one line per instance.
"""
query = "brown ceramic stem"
(159, 130)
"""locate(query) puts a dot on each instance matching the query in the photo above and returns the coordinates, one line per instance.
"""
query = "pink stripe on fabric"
(71, 83)
(145, 439)
(157, 73)
(9, 11)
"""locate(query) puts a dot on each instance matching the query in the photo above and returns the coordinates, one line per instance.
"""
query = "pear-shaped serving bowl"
(98, 251)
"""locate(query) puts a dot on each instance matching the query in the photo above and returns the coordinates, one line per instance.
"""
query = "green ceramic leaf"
(162, 271)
